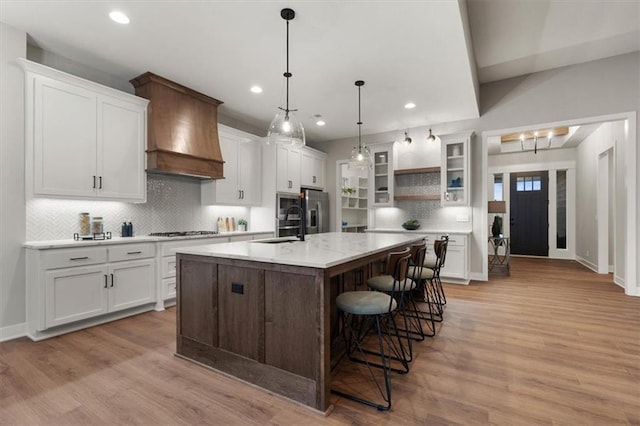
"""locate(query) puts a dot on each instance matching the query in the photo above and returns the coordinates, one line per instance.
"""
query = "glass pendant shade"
(285, 129)
(360, 158)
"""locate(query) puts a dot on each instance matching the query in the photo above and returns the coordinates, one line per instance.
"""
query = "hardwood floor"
(553, 343)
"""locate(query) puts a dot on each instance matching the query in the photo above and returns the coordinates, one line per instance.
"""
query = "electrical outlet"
(462, 218)
(587, 253)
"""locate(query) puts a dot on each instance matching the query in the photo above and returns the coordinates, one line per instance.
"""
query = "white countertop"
(423, 231)
(50, 244)
(317, 251)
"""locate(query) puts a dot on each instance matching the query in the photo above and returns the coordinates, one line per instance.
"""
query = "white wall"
(12, 206)
(597, 88)
(587, 197)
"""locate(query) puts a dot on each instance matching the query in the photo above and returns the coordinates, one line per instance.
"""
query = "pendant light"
(431, 137)
(285, 129)
(360, 156)
(407, 139)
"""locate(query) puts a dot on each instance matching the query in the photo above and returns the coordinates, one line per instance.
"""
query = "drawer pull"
(134, 252)
(79, 258)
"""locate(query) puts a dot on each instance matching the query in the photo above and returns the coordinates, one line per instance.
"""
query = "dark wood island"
(261, 310)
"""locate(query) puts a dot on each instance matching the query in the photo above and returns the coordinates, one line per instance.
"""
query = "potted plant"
(242, 225)
(348, 191)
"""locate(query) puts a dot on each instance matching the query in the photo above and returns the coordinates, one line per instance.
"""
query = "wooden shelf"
(416, 197)
(416, 171)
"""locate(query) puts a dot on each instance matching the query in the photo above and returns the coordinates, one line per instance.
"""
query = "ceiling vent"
(182, 129)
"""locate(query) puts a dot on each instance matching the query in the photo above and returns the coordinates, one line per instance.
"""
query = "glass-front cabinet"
(455, 170)
(381, 180)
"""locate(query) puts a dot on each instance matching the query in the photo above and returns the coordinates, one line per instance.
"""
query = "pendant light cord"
(287, 74)
(359, 83)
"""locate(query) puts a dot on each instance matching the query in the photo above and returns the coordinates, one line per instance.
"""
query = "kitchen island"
(262, 311)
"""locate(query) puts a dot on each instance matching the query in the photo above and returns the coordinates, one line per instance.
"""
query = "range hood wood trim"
(182, 128)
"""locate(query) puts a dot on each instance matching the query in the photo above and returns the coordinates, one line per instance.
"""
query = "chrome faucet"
(303, 219)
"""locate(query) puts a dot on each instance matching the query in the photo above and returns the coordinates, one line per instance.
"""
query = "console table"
(500, 258)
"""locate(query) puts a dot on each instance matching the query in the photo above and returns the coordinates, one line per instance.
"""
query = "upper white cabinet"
(84, 140)
(288, 170)
(455, 170)
(313, 166)
(242, 155)
(381, 179)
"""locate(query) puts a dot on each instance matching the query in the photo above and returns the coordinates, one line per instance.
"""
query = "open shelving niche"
(420, 184)
(354, 205)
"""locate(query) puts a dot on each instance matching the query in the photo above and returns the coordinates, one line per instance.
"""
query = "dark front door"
(530, 213)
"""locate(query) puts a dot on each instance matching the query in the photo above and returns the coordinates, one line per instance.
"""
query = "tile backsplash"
(173, 204)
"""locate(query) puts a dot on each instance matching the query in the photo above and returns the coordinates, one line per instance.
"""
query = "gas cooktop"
(181, 233)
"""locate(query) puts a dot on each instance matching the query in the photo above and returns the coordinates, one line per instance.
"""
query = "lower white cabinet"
(74, 294)
(66, 286)
(456, 264)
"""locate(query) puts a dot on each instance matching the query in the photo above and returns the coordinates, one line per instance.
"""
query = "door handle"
(314, 179)
(100, 186)
(94, 181)
(105, 280)
(111, 280)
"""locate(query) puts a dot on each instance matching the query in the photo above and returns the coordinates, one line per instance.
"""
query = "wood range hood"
(182, 129)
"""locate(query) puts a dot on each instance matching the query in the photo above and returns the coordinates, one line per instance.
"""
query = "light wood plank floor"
(553, 343)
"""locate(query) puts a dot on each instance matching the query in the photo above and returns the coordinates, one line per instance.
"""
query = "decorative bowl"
(411, 226)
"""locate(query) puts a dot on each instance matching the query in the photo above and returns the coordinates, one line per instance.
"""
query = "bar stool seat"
(430, 261)
(365, 302)
(420, 273)
(386, 282)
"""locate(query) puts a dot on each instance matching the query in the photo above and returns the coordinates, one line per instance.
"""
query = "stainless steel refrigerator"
(316, 209)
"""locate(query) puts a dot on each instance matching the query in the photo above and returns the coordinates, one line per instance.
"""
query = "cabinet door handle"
(111, 280)
(105, 280)
(100, 186)
(242, 191)
(79, 258)
(314, 179)
(290, 184)
(94, 182)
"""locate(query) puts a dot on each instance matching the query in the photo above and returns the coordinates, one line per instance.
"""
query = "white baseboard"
(13, 332)
(477, 276)
(587, 263)
(619, 281)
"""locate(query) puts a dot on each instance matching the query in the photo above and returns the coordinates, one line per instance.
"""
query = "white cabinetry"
(83, 140)
(288, 170)
(312, 171)
(381, 179)
(455, 170)
(456, 265)
(242, 155)
(67, 286)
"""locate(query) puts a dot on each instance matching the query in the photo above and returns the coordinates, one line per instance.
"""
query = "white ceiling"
(404, 50)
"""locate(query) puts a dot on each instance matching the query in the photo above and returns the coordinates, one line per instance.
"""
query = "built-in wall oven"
(316, 206)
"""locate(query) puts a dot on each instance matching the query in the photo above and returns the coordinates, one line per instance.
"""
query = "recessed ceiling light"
(256, 89)
(119, 17)
(320, 123)
(409, 105)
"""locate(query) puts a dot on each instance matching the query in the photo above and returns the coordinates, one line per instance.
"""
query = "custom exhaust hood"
(182, 129)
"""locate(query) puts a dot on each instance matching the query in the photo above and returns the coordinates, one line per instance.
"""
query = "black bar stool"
(363, 311)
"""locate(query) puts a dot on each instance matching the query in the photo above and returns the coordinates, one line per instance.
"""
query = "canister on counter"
(96, 225)
(84, 223)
